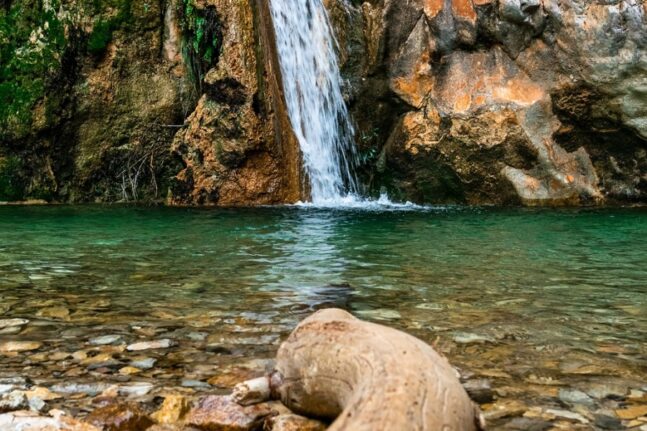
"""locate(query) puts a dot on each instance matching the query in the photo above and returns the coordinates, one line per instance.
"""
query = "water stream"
(312, 87)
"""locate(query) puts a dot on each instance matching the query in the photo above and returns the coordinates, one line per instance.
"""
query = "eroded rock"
(119, 417)
(217, 412)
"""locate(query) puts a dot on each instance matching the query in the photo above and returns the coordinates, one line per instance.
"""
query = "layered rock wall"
(495, 102)
(538, 102)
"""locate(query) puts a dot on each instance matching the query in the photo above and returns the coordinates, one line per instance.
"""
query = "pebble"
(380, 314)
(42, 393)
(467, 338)
(164, 343)
(292, 422)
(16, 400)
(195, 384)
(607, 422)
(632, 412)
(479, 390)
(136, 389)
(197, 336)
(105, 339)
(36, 404)
(565, 414)
(527, 424)
(573, 396)
(19, 346)
(62, 313)
(127, 371)
(221, 412)
(120, 417)
(172, 409)
(504, 409)
(8, 323)
(143, 363)
(91, 389)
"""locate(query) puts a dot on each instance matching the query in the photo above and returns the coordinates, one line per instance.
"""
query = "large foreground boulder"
(365, 375)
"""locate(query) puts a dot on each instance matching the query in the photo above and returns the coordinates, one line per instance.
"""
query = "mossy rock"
(12, 187)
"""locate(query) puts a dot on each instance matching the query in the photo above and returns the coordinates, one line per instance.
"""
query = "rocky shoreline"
(177, 378)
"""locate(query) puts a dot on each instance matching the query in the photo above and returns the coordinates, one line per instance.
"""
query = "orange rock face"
(501, 101)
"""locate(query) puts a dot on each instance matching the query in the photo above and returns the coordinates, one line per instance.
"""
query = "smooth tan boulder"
(367, 376)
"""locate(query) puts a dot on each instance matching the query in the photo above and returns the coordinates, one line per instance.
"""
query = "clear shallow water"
(534, 300)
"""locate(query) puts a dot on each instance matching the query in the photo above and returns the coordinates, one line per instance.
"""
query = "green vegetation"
(32, 43)
(202, 38)
(12, 187)
(103, 29)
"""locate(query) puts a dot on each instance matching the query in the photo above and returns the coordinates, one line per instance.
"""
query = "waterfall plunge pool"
(536, 302)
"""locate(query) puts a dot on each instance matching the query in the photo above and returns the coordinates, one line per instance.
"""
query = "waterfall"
(312, 87)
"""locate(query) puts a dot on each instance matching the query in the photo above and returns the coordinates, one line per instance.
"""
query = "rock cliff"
(494, 102)
(538, 102)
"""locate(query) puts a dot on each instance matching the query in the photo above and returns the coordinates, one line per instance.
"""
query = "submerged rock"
(292, 422)
(119, 417)
(172, 409)
(19, 346)
(16, 400)
(221, 412)
(150, 345)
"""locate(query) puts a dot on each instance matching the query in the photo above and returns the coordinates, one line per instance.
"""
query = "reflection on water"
(518, 296)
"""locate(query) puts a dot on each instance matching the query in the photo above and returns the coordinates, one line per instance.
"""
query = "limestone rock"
(149, 345)
(172, 410)
(119, 417)
(19, 346)
(292, 422)
(217, 412)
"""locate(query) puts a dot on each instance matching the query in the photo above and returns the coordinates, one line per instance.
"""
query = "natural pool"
(544, 306)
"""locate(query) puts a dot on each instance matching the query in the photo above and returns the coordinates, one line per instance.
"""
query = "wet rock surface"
(498, 102)
(87, 370)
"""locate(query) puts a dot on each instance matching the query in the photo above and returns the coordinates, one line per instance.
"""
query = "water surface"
(533, 300)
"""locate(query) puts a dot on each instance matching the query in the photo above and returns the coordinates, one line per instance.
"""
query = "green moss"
(12, 187)
(103, 29)
(202, 38)
(32, 42)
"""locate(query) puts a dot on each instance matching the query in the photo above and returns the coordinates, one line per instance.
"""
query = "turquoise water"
(519, 296)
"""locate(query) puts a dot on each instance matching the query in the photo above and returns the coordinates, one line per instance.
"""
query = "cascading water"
(312, 86)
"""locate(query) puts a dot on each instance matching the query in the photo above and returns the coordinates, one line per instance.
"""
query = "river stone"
(91, 389)
(479, 390)
(467, 338)
(568, 415)
(217, 412)
(195, 384)
(527, 424)
(120, 417)
(607, 422)
(61, 313)
(172, 409)
(7, 323)
(136, 389)
(105, 339)
(36, 404)
(16, 400)
(19, 346)
(42, 393)
(292, 422)
(164, 343)
(632, 412)
(144, 363)
(28, 421)
(573, 396)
